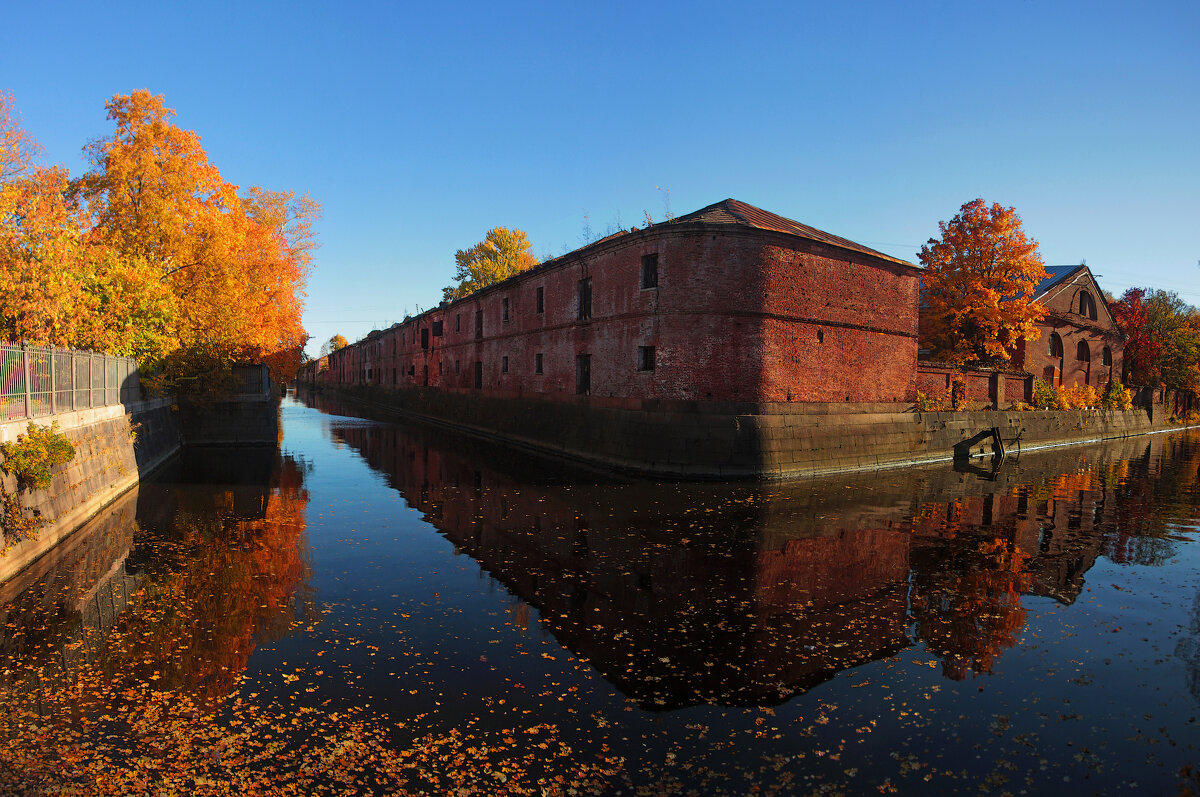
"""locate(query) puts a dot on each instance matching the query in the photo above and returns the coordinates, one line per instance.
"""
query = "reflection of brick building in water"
(677, 595)
(739, 594)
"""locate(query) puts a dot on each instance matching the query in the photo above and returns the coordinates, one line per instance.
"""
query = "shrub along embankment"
(113, 448)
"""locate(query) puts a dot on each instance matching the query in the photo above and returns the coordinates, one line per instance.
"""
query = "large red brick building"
(727, 304)
(1080, 343)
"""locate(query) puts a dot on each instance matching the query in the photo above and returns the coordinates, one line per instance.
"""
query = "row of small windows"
(645, 362)
(1082, 350)
(649, 281)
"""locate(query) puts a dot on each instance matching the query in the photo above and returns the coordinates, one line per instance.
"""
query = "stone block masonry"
(114, 447)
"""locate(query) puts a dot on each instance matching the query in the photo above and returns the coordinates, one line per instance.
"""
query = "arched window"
(1106, 356)
(1082, 352)
(1055, 345)
(1087, 305)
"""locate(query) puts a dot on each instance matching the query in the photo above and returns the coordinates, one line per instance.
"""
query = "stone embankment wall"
(114, 447)
(731, 440)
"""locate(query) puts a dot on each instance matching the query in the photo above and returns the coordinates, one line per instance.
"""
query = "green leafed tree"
(500, 255)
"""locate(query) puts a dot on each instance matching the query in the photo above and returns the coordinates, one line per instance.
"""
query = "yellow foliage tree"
(500, 255)
(235, 265)
(977, 289)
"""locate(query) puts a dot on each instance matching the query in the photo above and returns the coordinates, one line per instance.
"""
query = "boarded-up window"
(650, 271)
(504, 309)
(645, 359)
(478, 374)
(437, 329)
(583, 374)
(585, 298)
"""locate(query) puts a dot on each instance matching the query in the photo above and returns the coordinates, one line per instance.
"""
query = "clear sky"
(419, 126)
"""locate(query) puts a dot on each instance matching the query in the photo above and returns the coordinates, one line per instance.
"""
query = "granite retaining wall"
(731, 440)
(114, 448)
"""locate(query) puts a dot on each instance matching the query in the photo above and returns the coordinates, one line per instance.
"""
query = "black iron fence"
(36, 381)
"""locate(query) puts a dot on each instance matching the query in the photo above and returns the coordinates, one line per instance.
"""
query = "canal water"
(381, 607)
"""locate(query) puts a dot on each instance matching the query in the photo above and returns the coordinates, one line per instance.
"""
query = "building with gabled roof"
(726, 312)
(1080, 343)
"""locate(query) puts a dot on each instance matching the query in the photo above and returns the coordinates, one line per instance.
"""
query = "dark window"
(1106, 356)
(437, 329)
(1087, 305)
(456, 366)
(1082, 352)
(583, 374)
(541, 300)
(537, 363)
(458, 323)
(504, 309)
(650, 271)
(1056, 349)
(478, 324)
(412, 370)
(504, 364)
(585, 298)
(425, 375)
(645, 358)
(478, 374)
(425, 338)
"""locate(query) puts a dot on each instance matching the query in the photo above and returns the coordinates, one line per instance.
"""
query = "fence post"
(25, 371)
(53, 397)
(73, 399)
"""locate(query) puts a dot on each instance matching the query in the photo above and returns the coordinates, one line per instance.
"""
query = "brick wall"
(738, 314)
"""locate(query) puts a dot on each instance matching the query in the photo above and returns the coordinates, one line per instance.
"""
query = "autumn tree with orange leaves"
(236, 264)
(978, 285)
(151, 254)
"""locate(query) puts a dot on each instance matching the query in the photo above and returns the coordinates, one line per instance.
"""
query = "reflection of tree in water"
(966, 601)
(215, 587)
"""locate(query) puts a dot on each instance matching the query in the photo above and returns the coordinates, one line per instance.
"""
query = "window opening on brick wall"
(1106, 356)
(478, 374)
(541, 300)
(458, 323)
(820, 336)
(504, 364)
(537, 363)
(478, 324)
(456, 366)
(437, 329)
(1056, 349)
(583, 374)
(585, 298)
(645, 358)
(425, 338)
(1087, 305)
(650, 271)
(504, 309)
(425, 375)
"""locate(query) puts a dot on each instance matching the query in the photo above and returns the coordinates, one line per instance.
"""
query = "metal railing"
(37, 380)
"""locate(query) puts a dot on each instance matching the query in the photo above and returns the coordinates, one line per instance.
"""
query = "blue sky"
(421, 126)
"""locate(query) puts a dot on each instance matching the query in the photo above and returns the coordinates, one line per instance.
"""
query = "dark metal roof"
(732, 211)
(1057, 275)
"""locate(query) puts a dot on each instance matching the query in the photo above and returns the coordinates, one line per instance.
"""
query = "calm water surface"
(381, 607)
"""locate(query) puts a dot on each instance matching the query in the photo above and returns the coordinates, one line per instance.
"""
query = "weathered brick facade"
(730, 303)
(1080, 342)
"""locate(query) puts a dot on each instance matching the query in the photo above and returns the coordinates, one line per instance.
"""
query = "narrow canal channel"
(379, 607)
